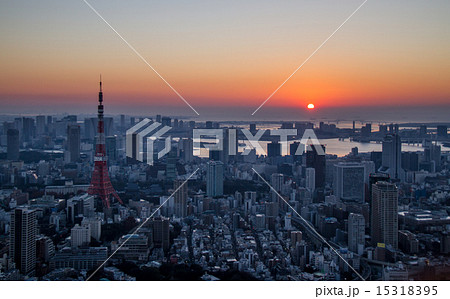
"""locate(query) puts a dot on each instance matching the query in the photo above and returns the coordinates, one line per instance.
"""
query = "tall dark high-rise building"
(22, 242)
(296, 150)
(214, 154)
(161, 233)
(40, 125)
(171, 164)
(356, 230)
(277, 182)
(317, 161)
(188, 150)
(274, 149)
(384, 214)
(432, 154)
(410, 161)
(28, 129)
(13, 144)
(100, 183)
(349, 181)
(377, 177)
(111, 147)
(293, 148)
(392, 157)
(214, 179)
(373, 179)
(73, 143)
(180, 198)
(376, 158)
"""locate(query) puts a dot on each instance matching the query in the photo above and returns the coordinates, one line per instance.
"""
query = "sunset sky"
(223, 53)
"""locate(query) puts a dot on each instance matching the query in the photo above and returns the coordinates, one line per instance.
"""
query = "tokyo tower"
(100, 182)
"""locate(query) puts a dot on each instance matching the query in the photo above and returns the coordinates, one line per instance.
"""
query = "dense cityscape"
(75, 206)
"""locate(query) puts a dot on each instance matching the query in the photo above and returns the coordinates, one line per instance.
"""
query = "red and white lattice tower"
(100, 182)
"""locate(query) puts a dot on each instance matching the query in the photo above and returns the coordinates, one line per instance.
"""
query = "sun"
(310, 106)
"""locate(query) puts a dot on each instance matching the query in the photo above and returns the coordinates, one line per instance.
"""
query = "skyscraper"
(111, 147)
(180, 198)
(274, 149)
(373, 179)
(349, 181)
(392, 157)
(356, 228)
(40, 125)
(432, 154)
(73, 143)
(296, 149)
(318, 162)
(272, 211)
(161, 232)
(214, 179)
(13, 143)
(277, 182)
(22, 243)
(28, 129)
(188, 150)
(410, 161)
(171, 165)
(384, 226)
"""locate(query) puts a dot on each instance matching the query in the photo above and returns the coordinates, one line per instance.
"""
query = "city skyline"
(341, 215)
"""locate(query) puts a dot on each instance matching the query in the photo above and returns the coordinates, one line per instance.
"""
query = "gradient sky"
(223, 53)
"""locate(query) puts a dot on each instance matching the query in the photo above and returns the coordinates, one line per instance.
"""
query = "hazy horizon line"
(367, 113)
